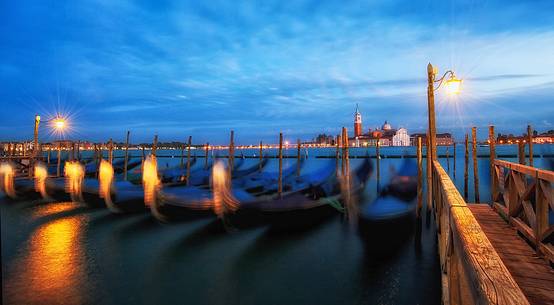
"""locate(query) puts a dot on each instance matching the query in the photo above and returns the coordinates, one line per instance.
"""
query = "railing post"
(541, 212)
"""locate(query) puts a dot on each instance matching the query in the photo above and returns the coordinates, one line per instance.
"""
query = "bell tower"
(357, 123)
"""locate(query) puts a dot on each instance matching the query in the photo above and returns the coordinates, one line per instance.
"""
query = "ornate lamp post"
(453, 86)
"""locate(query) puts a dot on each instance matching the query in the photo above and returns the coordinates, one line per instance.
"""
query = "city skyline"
(189, 69)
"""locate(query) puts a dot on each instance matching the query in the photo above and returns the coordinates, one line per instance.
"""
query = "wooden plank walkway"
(533, 274)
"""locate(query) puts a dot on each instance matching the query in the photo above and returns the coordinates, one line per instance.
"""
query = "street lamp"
(58, 124)
(453, 86)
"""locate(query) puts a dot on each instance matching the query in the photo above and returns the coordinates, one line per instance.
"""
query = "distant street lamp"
(453, 86)
(58, 124)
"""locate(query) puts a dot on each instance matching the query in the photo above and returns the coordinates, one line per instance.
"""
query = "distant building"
(357, 122)
(401, 138)
(385, 135)
(443, 139)
(543, 138)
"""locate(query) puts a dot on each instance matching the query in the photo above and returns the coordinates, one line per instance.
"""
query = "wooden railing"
(472, 271)
(523, 195)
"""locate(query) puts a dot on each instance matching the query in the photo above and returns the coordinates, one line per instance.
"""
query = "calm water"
(67, 253)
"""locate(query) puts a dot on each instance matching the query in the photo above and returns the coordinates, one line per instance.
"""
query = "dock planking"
(533, 274)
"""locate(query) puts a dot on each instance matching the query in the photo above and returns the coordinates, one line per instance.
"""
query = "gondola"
(182, 202)
(311, 199)
(390, 217)
(129, 197)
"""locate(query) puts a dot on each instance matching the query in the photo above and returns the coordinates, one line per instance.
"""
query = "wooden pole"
(530, 141)
(298, 159)
(206, 155)
(155, 146)
(188, 159)
(261, 157)
(231, 153)
(378, 157)
(79, 150)
(126, 156)
(492, 156)
(429, 175)
(110, 151)
(447, 160)
(280, 186)
(454, 160)
(182, 163)
(419, 178)
(431, 110)
(475, 168)
(466, 169)
(521, 152)
(59, 158)
(337, 154)
(48, 156)
(143, 154)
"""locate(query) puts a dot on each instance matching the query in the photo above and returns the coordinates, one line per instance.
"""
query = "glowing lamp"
(59, 123)
(453, 85)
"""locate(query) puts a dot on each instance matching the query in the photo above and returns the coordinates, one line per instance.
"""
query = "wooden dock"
(498, 253)
(532, 273)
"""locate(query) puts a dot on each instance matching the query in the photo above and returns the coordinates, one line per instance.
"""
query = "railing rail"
(472, 271)
(524, 196)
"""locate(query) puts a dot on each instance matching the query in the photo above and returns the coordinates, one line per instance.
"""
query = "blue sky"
(202, 68)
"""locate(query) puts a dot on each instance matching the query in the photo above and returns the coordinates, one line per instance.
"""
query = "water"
(69, 253)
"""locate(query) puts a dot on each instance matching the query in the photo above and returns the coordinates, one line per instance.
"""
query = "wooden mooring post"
(337, 154)
(447, 160)
(428, 155)
(419, 178)
(298, 158)
(48, 156)
(126, 164)
(466, 169)
(59, 158)
(475, 168)
(154, 146)
(521, 152)
(182, 161)
(261, 157)
(110, 151)
(188, 159)
(345, 152)
(454, 160)
(530, 143)
(231, 157)
(207, 150)
(492, 156)
(280, 180)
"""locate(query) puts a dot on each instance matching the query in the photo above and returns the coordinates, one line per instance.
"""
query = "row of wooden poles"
(492, 156)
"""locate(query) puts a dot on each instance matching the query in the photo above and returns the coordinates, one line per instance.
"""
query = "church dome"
(386, 126)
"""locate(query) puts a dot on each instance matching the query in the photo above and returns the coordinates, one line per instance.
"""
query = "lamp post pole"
(431, 111)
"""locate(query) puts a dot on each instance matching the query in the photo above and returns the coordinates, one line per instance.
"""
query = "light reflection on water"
(51, 266)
